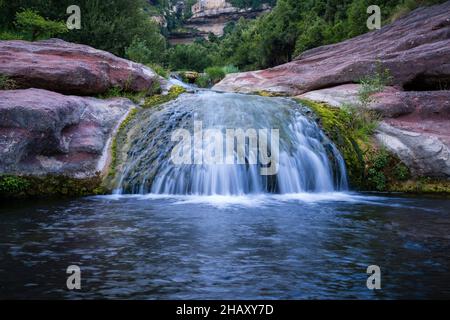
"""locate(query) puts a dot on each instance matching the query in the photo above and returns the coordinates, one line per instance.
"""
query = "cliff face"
(211, 16)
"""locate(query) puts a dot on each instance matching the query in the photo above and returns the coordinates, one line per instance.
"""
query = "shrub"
(12, 185)
(160, 70)
(6, 83)
(230, 69)
(203, 81)
(215, 74)
(10, 35)
(147, 51)
(373, 83)
(36, 27)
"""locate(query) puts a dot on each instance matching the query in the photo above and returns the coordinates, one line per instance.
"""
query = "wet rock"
(43, 132)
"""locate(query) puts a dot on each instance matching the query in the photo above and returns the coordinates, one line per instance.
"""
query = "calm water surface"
(254, 247)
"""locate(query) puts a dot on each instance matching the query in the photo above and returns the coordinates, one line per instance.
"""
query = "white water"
(308, 161)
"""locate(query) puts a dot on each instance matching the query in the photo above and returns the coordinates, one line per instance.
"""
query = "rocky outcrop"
(70, 68)
(211, 16)
(416, 50)
(47, 133)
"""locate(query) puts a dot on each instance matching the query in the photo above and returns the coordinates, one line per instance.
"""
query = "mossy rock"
(13, 186)
(264, 93)
(158, 99)
(335, 125)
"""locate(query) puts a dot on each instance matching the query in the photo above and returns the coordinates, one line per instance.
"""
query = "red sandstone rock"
(43, 132)
(70, 68)
(416, 49)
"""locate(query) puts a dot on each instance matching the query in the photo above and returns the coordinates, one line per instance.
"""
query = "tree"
(35, 26)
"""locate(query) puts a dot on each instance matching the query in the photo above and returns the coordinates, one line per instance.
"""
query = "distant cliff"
(187, 20)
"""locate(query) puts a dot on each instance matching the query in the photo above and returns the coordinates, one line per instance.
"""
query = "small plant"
(401, 172)
(215, 74)
(12, 185)
(116, 92)
(378, 161)
(230, 69)
(159, 70)
(373, 84)
(37, 27)
(6, 83)
(203, 81)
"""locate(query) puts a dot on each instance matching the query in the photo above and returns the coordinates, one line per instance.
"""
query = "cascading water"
(307, 162)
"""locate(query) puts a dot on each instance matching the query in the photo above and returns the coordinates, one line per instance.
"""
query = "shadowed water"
(292, 246)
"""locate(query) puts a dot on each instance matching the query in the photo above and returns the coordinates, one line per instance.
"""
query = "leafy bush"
(160, 70)
(230, 69)
(147, 51)
(11, 35)
(373, 84)
(203, 81)
(12, 185)
(158, 99)
(36, 27)
(6, 83)
(189, 57)
(215, 74)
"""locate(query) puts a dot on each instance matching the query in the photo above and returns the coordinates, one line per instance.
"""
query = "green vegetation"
(336, 124)
(35, 27)
(373, 83)
(107, 25)
(148, 51)
(6, 83)
(158, 99)
(214, 75)
(369, 168)
(48, 186)
(112, 167)
(385, 172)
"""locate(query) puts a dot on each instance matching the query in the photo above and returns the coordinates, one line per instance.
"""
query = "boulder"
(416, 50)
(425, 154)
(43, 132)
(70, 68)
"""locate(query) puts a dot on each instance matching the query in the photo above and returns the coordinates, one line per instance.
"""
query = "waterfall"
(307, 160)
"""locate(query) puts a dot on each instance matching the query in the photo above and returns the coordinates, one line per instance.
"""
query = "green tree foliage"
(34, 26)
(107, 25)
(150, 50)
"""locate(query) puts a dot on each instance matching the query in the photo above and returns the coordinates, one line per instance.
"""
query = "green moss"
(337, 127)
(423, 185)
(120, 131)
(370, 168)
(264, 93)
(49, 186)
(158, 99)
